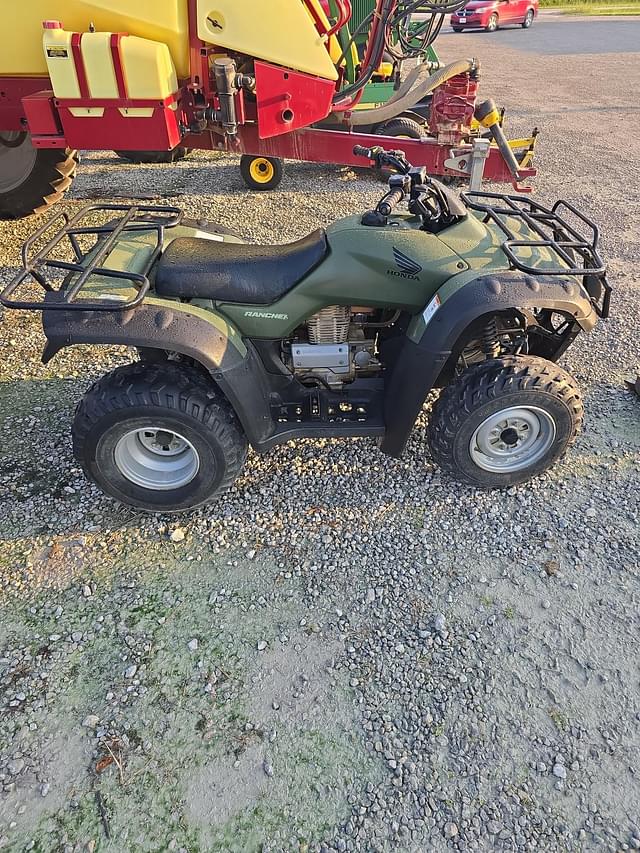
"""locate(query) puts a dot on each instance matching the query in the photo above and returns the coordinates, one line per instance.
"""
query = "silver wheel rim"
(493, 23)
(512, 439)
(528, 19)
(16, 164)
(156, 458)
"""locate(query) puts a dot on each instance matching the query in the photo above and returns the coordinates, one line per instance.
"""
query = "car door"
(506, 11)
(520, 10)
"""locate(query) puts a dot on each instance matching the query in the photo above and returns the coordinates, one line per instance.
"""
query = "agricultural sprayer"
(278, 79)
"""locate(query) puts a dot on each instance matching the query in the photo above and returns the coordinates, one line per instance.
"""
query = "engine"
(335, 346)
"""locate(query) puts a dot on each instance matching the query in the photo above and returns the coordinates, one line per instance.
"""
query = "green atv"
(342, 333)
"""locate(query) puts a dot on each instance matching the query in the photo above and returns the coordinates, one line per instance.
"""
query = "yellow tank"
(147, 67)
(158, 20)
(59, 58)
(278, 31)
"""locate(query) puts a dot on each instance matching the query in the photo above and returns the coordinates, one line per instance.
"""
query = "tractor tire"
(159, 437)
(172, 156)
(261, 173)
(32, 179)
(403, 128)
(492, 23)
(504, 421)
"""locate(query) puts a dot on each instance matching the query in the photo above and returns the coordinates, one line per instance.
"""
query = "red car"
(490, 14)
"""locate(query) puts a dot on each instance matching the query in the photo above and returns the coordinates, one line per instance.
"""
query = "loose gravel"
(347, 652)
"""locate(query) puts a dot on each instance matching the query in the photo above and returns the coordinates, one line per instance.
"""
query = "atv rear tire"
(505, 420)
(158, 437)
(172, 156)
(32, 179)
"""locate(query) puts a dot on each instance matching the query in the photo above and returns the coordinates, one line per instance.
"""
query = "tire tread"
(166, 385)
(46, 185)
(487, 381)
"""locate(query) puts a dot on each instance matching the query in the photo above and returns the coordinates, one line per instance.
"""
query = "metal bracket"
(478, 157)
(472, 163)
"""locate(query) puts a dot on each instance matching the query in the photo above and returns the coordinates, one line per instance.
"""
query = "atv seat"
(194, 267)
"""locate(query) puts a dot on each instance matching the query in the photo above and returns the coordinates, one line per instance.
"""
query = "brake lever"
(395, 159)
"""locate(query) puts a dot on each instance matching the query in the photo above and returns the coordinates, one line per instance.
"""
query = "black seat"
(236, 272)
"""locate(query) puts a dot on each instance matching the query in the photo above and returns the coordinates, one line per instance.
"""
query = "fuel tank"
(398, 266)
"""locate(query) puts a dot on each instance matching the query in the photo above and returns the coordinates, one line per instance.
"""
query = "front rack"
(572, 253)
(35, 264)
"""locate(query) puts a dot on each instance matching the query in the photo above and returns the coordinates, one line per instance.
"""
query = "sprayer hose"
(414, 88)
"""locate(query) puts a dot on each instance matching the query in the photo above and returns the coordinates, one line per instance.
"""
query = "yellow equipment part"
(101, 76)
(163, 21)
(278, 31)
(146, 65)
(59, 59)
(335, 51)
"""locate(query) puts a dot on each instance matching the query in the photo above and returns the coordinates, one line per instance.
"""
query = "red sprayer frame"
(336, 147)
(275, 124)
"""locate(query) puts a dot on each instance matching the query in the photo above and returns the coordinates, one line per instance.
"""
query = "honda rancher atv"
(342, 333)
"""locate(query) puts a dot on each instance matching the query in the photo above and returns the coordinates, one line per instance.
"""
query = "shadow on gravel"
(207, 178)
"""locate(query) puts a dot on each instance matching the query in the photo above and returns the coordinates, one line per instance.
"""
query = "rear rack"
(555, 233)
(35, 264)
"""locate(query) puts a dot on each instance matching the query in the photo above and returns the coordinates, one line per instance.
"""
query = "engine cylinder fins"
(330, 325)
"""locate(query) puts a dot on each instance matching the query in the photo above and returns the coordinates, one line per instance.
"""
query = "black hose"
(489, 116)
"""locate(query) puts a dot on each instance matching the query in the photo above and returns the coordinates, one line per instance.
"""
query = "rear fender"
(167, 326)
(432, 336)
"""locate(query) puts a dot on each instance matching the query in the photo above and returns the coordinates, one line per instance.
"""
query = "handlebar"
(389, 201)
(361, 151)
(380, 157)
(427, 199)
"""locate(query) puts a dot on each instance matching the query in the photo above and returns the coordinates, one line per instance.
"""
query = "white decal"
(431, 309)
(266, 315)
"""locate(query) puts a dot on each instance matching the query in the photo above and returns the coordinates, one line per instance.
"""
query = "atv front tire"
(32, 179)
(505, 421)
(158, 437)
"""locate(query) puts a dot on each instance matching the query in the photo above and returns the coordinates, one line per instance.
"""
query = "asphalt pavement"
(555, 34)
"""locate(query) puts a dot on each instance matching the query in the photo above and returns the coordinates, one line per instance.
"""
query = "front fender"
(177, 327)
(432, 335)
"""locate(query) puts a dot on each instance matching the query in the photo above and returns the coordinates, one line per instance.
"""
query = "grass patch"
(589, 7)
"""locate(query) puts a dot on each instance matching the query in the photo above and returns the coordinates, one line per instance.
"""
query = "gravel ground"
(347, 652)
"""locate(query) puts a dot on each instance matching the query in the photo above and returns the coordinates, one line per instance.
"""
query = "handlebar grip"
(389, 201)
(361, 151)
